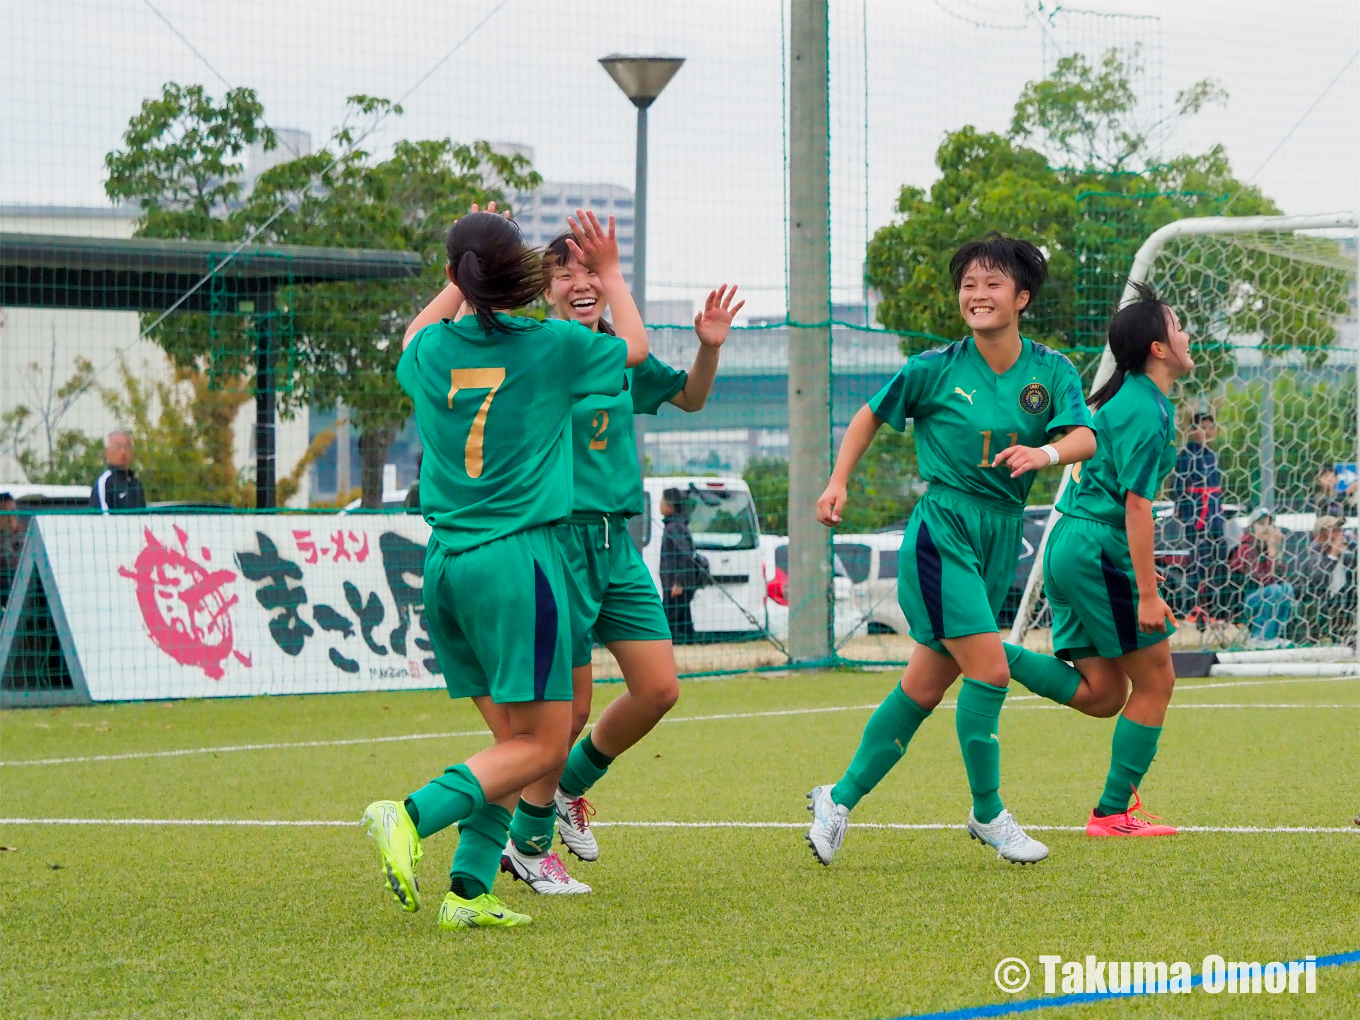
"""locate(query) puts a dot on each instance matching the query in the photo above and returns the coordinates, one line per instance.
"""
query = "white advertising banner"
(223, 605)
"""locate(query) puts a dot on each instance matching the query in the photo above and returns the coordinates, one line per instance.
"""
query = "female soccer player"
(1099, 573)
(610, 595)
(493, 396)
(983, 411)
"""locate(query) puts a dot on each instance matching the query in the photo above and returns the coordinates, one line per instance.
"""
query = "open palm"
(715, 321)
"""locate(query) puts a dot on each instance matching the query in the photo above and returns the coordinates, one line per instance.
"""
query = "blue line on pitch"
(1058, 1001)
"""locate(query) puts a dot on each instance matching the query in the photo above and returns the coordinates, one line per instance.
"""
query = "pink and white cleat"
(1124, 824)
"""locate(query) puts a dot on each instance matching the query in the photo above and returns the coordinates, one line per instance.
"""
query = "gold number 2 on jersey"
(475, 379)
(599, 421)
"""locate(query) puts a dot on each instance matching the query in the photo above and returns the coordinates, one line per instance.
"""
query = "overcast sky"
(75, 70)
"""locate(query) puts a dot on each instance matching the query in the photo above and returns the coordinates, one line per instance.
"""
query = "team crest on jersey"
(1034, 398)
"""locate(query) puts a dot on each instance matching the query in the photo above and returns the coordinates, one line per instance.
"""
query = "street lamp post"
(641, 79)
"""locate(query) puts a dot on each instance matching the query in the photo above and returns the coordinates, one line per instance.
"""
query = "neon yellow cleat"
(486, 911)
(399, 843)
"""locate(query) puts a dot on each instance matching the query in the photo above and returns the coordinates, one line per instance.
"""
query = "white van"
(726, 532)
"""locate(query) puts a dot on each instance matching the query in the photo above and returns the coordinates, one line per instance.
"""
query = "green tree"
(1086, 139)
(47, 452)
(341, 341)
(348, 336)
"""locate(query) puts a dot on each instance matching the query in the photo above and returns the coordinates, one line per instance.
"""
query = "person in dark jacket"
(118, 487)
(683, 571)
(1198, 491)
(412, 501)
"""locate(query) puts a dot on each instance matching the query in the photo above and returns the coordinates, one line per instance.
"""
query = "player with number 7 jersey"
(493, 395)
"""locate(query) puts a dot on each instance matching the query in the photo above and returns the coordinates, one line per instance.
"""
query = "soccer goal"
(1259, 557)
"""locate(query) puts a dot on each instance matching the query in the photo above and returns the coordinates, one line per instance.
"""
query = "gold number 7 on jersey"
(475, 379)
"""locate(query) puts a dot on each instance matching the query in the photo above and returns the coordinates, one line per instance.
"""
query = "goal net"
(1256, 528)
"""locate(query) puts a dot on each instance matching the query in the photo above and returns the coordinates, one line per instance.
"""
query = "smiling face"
(988, 299)
(575, 292)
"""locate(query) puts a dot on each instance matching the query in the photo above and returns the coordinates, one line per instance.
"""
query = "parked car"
(42, 498)
(775, 568)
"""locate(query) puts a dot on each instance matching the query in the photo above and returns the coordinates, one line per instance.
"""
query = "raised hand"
(490, 207)
(713, 323)
(591, 244)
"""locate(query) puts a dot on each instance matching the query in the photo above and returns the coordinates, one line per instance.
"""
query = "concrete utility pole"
(810, 591)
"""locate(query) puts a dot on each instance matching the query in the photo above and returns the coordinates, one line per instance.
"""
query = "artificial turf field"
(293, 921)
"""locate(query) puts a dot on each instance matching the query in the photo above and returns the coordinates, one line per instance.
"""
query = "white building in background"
(52, 339)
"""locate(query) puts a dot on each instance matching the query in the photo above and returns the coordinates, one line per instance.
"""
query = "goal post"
(1266, 300)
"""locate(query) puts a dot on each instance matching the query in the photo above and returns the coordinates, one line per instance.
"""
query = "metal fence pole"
(265, 384)
(809, 345)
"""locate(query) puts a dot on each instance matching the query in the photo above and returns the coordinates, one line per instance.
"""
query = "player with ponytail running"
(1099, 574)
(610, 595)
(987, 412)
(493, 396)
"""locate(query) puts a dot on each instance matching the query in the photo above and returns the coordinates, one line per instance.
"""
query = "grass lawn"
(152, 920)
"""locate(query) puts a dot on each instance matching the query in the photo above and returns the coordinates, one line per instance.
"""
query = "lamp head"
(641, 78)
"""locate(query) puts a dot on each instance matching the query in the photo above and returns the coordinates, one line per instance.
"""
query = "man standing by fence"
(118, 487)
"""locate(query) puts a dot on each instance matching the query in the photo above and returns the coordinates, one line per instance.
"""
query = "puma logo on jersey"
(966, 396)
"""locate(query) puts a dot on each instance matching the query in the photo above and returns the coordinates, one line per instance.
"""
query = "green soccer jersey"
(1135, 450)
(605, 473)
(494, 414)
(963, 414)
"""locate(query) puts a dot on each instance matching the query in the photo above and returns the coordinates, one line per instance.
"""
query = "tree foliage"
(341, 340)
(1072, 134)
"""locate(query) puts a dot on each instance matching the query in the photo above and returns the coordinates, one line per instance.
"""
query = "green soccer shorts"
(610, 594)
(497, 618)
(1090, 585)
(956, 565)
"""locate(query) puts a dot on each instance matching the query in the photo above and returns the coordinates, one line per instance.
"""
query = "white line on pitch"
(900, 826)
(774, 713)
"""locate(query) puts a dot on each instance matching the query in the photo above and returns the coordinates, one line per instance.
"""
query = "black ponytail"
(493, 267)
(1132, 332)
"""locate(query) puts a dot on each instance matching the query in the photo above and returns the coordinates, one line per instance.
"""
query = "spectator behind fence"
(118, 488)
(1327, 572)
(1269, 597)
(1198, 492)
(412, 501)
(1328, 499)
(11, 544)
(683, 571)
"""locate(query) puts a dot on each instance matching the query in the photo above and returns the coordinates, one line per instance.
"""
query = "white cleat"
(543, 873)
(1004, 834)
(573, 822)
(829, 822)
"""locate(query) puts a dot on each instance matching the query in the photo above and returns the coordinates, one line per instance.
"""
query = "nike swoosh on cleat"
(498, 917)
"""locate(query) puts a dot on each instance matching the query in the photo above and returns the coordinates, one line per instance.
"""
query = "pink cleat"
(1124, 824)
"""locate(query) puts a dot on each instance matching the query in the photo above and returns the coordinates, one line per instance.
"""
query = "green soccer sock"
(1045, 675)
(481, 841)
(886, 736)
(1131, 753)
(976, 716)
(585, 766)
(445, 799)
(532, 828)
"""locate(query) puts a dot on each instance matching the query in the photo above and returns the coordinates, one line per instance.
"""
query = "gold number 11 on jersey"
(475, 379)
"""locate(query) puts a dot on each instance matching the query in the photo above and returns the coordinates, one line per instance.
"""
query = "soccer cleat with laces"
(484, 911)
(543, 873)
(399, 843)
(573, 823)
(1124, 824)
(1003, 833)
(829, 822)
